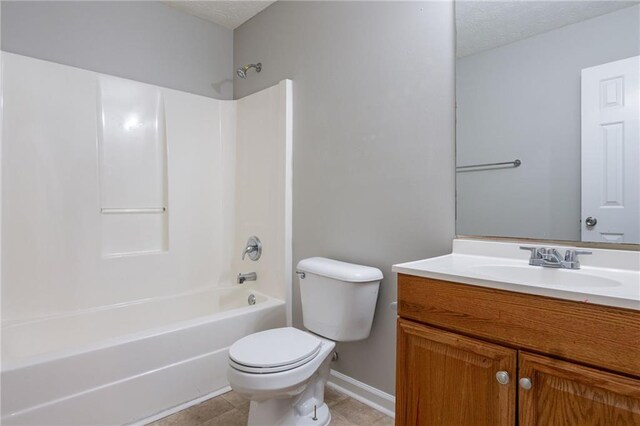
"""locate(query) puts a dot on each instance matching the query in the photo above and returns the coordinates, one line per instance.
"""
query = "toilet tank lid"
(337, 270)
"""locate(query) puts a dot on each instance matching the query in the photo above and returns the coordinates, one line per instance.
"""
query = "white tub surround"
(127, 191)
(606, 277)
(263, 168)
(124, 207)
(62, 168)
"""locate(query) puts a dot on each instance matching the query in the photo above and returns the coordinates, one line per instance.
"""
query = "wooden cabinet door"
(447, 379)
(563, 393)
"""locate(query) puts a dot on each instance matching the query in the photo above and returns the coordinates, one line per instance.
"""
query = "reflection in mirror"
(548, 120)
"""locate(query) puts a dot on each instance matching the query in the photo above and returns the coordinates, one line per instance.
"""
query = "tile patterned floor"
(230, 409)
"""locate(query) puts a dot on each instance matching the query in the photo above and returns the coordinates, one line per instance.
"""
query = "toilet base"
(296, 410)
(279, 412)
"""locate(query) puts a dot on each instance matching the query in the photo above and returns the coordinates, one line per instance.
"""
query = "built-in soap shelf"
(133, 210)
(133, 167)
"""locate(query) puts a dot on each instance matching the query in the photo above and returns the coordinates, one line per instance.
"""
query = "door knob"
(502, 377)
(591, 221)
(525, 383)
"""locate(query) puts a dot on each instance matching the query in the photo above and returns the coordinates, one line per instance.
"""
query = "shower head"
(242, 71)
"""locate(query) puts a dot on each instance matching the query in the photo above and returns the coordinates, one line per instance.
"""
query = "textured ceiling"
(485, 24)
(228, 13)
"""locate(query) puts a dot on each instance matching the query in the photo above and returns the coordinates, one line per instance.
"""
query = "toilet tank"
(338, 298)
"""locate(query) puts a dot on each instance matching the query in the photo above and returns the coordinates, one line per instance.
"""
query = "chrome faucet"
(253, 248)
(249, 276)
(551, 258)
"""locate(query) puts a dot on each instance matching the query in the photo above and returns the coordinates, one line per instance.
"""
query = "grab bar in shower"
(488, 166)
(136, 210)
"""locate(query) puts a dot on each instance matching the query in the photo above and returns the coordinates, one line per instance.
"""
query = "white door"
(611, 152)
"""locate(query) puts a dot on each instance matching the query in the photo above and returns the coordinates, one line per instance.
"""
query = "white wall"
(141, 40)
(373, 149)
(522, 101)
(53, 188)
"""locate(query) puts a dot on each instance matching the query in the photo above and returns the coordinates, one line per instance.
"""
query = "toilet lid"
(275, 348)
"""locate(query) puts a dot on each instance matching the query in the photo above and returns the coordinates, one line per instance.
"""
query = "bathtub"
(126, 363)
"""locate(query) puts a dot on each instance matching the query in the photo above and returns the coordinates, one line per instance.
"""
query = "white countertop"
(607, 277)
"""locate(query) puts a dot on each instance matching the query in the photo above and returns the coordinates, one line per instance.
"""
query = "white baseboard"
(181, 407)
(364, 393)
(374, 398)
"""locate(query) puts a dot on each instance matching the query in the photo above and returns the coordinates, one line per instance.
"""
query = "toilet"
(283, 371)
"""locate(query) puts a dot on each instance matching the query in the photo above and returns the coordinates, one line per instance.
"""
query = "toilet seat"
(273, 351)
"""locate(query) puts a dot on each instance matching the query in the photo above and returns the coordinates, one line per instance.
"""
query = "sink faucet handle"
(535, 251)
(536, 255)
(571, 258)
(571, 255)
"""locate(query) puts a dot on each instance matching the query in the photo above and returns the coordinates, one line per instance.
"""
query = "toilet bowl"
(283, 371)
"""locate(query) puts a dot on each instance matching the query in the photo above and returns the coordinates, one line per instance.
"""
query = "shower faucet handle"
(253, 248)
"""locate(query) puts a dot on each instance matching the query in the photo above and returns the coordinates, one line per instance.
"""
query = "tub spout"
(250, 276)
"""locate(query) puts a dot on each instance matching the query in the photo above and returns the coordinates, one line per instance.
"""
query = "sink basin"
(607, 277)
(536, 275)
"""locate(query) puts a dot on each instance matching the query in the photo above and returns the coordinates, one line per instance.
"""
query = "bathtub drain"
(251, 299)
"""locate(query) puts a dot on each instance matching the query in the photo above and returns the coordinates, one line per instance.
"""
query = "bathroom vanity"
(481, 342)
(547, 148)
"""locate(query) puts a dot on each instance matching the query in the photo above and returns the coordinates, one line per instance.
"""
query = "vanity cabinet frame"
(600, 336)
(583, 360)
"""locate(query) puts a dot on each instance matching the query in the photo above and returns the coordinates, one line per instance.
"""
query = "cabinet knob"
(525, 383)
(502, 377)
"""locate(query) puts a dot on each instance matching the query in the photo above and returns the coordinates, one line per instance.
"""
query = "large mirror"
(548, 120)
